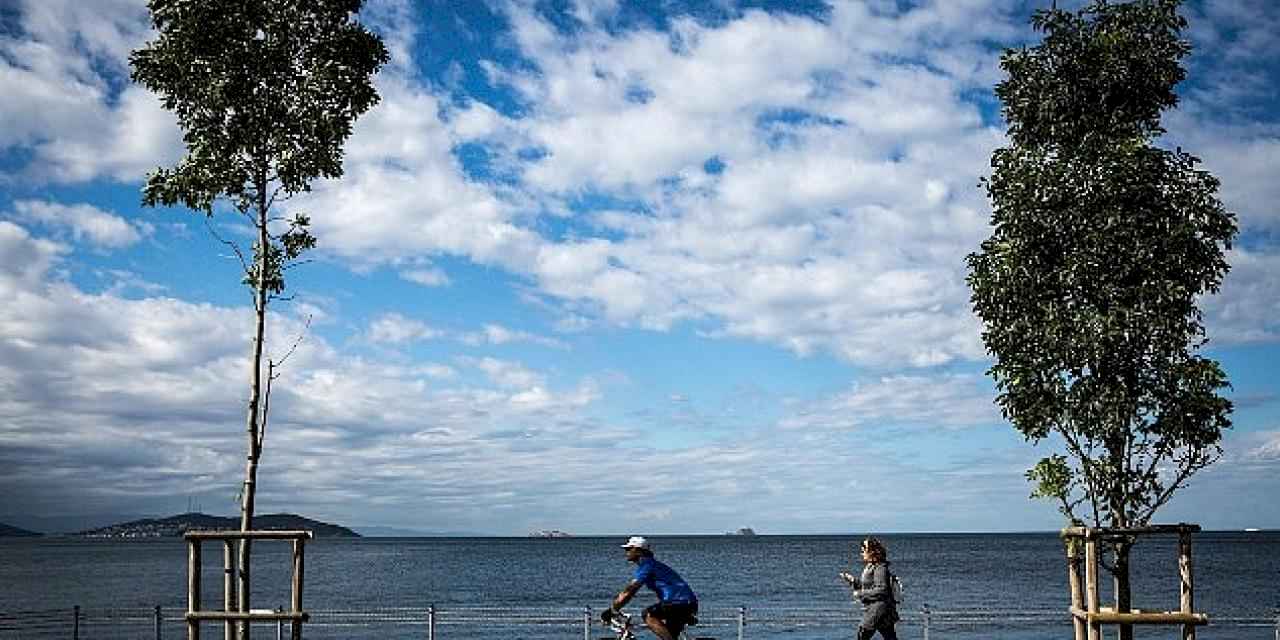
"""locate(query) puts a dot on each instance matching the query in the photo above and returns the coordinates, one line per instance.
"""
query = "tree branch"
(244, 265)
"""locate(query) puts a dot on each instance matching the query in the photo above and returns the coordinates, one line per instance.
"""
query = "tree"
(1087, 287)
(266, 92)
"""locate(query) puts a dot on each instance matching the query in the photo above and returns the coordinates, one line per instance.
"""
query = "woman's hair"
(875, 549)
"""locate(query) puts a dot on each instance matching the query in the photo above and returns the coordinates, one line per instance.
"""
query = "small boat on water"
(1251, 530)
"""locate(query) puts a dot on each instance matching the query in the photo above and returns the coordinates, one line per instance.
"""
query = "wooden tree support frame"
(229, 615)
(1087, 614)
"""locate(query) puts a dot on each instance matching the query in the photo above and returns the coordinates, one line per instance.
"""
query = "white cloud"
(1247, 310)
(427, 277)
(396, 329)
(950, 401)
(508, 374)
(67, 96)
(85, 222)
(848, 230)
(1267, 450)
(24, 260)
(496, 334)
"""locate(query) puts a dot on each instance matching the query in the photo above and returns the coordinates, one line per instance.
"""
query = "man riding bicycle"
(676, 604)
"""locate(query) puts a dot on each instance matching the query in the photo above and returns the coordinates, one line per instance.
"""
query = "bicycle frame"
(621, 624)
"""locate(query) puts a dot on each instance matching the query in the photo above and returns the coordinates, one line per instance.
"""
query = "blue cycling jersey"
(664, 581)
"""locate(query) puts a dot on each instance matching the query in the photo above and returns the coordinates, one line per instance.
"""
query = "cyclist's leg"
(888, 633)
(657, 625)
(865, 633)
(658, 628)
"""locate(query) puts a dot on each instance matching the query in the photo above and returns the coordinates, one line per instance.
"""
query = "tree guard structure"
(229, 614)
(1088, 615)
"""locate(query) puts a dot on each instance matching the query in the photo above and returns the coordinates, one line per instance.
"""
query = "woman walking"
(874, 590)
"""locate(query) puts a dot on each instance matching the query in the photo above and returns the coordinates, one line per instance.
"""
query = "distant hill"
(179, 524)
(8, 531)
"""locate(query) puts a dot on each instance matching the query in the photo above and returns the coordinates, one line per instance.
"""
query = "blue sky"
(597, 266)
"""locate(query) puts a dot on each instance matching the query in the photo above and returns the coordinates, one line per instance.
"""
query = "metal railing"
(441, 623)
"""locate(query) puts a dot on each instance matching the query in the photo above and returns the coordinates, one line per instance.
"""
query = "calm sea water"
(1237, 576)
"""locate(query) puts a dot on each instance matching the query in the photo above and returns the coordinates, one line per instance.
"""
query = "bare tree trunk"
(1122, 587)
(251, 427)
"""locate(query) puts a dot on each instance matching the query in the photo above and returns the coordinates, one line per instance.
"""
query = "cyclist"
(677, 604)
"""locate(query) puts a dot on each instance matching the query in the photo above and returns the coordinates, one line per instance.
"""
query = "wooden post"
(158, 619)
(742, 621)
(431, 622)
(193, 588)
(586, 623)
(1184, 571)
(75, 623)
(1091, 584)
(1077, 589)
(299, 547)
(228, 586)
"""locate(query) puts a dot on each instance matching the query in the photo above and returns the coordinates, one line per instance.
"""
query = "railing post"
(280, 624)
(924, 610)
(228, 587)
(431, 622)
(75, 623)
(158, 622)
(742, 621)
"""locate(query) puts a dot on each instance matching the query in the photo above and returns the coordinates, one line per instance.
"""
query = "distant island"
(174, 526)
(7, 531)
(550, 533)
(745, 531)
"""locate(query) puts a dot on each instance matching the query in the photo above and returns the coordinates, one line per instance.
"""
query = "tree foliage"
(1102, 243)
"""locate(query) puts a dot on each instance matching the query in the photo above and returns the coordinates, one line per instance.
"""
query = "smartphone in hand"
(853, 580)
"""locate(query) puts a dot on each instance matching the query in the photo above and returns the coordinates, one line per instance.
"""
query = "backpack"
(895, 585)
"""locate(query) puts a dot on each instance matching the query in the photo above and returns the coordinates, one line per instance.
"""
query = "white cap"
(636, 542)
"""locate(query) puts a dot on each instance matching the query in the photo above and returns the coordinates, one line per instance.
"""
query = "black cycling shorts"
(675, 616)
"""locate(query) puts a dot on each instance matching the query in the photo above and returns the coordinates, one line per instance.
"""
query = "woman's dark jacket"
(876, 594)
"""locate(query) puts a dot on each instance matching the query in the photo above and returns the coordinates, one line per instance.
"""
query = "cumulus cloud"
(67, 95)
(950, 401)
(427, 277)
(1247, 310)
(396, 329)
(496, 334)
(825, 215)
(84, 222)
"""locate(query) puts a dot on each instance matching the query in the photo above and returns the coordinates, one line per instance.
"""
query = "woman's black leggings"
(885, 632)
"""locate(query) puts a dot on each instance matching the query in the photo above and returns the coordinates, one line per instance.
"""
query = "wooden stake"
(299, 546)
(1073, 578)
(193, 588)
(1091, 584)
(1187, 593)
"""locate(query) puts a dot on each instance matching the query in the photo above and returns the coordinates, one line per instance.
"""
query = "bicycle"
(621, 624)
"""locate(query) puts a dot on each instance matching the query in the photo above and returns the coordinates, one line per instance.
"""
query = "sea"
(999, 586)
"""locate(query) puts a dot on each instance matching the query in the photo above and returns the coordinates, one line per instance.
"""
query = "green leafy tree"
(266, 92)
(1088, 285)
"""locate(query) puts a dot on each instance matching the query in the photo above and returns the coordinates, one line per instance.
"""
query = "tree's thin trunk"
(251, 427)
(1121, 581)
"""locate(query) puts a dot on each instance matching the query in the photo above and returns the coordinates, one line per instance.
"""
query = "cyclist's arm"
(626, 594)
